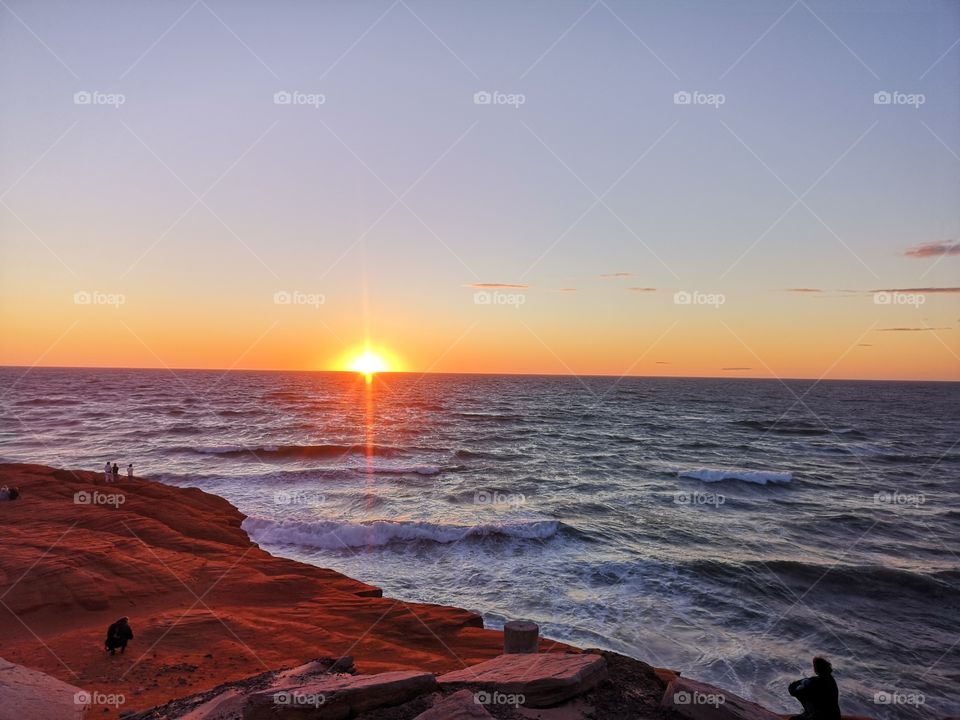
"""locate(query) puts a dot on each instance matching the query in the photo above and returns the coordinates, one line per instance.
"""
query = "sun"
(368, 362)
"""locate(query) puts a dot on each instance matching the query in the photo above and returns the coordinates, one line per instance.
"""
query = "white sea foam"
(760, 477)
(333, 535)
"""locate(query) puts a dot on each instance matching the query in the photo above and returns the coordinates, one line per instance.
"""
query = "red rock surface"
(206, 605)
(460, 706)
(541, 680)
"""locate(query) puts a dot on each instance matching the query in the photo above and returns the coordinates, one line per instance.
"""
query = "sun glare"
(368, 362)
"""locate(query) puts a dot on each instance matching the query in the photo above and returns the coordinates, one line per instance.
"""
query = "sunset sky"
(188, 217)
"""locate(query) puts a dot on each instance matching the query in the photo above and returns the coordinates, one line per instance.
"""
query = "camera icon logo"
(482, 97)
(882, 98)
(682, 297)
(282, 97)
(682, 98)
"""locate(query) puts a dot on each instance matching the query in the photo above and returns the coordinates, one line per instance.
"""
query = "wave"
(334, 535)
(798, 427)
(759, 477)
(295, 452)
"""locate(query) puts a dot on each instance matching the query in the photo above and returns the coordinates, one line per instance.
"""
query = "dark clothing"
(118, 635)
(818, 695)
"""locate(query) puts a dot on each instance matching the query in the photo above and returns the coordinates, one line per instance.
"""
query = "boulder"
(462, 705)
(699, 701)
(335, 697)
(542, 680)
(30, 695)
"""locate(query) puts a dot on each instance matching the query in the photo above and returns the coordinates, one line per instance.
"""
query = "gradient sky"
(199, 198)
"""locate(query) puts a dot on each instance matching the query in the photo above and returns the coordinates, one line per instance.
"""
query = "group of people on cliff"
(111, 472)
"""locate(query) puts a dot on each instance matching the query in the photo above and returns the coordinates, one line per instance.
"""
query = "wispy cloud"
(934, 249)
(661, 362)
(864, 344)
(617, 275)
(924, 290)
(493, 286)
(803, 290)
(911, 329)
(737, 368)
(642, 289)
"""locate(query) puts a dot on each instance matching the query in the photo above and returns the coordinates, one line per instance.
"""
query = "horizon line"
(774, 378)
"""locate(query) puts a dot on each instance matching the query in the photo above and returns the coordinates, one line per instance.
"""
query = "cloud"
(617, 275)
(910, 329)
(641, 289)
(803, 290)
(737, 368)
(661, 362)
(494, 286)
(934, 249)
(568, 290)
(864, 344)
(924, 290)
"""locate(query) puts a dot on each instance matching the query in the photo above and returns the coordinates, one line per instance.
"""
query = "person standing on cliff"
(107, 472)
(116, 473)
(818, 694)
(130, 471)
(118, 635)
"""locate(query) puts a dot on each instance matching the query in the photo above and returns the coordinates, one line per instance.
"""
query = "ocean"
(728, 528)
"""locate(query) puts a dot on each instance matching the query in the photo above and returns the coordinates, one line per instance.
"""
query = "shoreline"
(207, 605)
(202, 598)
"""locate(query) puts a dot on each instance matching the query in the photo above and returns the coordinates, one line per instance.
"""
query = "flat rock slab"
(542, 680)
(462, 705)
(30, 695)
(335, 697)
(698, 701)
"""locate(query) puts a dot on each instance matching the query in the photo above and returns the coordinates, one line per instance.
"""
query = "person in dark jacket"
(118, 635)
(817, 694)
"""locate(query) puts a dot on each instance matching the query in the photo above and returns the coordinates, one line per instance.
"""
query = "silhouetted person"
(116, 472)
(817, 694)
(130, 471)
(118, 635)
(107, 472)
(14, 493)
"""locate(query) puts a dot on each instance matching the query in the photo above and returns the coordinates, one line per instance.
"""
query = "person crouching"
(118, 635)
